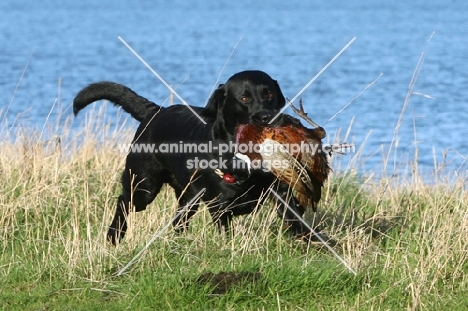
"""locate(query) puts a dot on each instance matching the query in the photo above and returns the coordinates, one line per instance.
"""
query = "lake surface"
(52, 49)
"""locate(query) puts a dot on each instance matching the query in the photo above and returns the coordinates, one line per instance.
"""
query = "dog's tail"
(137, 106)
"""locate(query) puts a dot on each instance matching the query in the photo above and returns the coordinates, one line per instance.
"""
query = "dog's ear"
(281, 99)
(213, 105)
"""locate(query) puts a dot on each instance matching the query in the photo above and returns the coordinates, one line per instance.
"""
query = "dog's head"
(248, 97)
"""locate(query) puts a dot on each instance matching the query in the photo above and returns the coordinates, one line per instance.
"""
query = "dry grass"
(407, 238)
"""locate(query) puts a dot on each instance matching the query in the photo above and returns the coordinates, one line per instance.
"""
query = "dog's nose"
(263, 117)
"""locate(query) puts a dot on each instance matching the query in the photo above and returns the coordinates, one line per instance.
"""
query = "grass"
(406, 238)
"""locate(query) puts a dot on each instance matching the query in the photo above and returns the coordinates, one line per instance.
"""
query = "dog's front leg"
(295, 224)
(222, 217)
(289, 213)
(185, 212)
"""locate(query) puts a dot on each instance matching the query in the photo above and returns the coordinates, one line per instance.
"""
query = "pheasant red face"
(228, 178)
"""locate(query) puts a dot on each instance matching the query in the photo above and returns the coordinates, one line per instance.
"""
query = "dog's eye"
(270, 95)
(245, 99)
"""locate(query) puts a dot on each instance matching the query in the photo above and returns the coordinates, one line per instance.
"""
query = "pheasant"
(292, 152)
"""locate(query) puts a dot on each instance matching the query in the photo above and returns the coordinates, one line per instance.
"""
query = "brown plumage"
(292, 152)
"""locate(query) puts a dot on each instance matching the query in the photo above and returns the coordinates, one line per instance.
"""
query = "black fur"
(247, 97)
(138, 107)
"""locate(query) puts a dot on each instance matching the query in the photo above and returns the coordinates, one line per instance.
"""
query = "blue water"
(51, 49)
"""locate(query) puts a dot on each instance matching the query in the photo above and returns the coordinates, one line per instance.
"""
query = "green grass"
(407, 240)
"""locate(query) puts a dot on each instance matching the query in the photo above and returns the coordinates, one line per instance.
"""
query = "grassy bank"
(407, 240)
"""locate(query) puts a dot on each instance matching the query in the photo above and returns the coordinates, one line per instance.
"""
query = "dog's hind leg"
(118, 227)
(138, 191)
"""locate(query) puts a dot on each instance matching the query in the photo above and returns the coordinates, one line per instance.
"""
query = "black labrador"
(248, 97)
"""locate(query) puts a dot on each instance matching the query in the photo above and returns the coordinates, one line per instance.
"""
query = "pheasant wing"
(288, 169)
